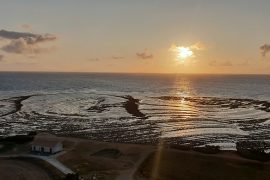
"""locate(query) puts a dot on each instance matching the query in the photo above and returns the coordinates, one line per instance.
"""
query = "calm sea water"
(180, 109)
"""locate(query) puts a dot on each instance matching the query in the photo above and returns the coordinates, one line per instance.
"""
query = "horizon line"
(94, 72)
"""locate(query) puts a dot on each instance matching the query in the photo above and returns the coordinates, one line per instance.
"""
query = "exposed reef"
(231, 103)
(16, 104)
(132, 107)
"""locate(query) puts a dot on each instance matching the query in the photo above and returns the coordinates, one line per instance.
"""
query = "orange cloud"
(26, 26)
(265, 49)
(144, 55)
(1, 57)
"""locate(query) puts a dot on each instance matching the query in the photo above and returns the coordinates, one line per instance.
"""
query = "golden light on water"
(186, 109)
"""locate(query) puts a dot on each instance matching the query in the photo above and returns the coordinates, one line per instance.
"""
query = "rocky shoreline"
(137, 125)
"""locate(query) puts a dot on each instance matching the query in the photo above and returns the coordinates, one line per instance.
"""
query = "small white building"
(46, 145)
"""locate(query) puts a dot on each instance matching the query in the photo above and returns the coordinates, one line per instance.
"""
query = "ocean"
(185, 109)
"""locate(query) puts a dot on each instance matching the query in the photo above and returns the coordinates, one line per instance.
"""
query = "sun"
(184, 52)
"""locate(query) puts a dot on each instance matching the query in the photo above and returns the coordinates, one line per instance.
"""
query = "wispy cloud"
(1, 57)
(20, 46)
(93, 59)
(26, 27)
(29, 38)
(265, 49)
(213, 63)
(226, 63)
(199, 46)
(244, 63)
(220, 63)
(117, 57)
(144, 55)
(24, 42)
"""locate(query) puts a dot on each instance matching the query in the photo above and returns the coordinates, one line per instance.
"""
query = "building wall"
(36, 148)
(58, 147)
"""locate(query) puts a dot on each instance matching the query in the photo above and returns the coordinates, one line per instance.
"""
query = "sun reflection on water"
(186, 109)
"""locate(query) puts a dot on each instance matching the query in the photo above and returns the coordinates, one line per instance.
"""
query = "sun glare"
(184, 52)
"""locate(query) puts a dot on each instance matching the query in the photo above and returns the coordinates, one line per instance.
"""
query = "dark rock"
(253, 150)
(207, 149)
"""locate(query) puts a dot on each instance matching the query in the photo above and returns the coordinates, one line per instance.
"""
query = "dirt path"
(54, 162)
(129, 174)
(49, 159)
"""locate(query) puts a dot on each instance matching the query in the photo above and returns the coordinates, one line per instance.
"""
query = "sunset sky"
(141, 36)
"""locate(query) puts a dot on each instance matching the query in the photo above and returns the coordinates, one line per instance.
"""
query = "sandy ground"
(90, 158)
(110, 161)
(21, 170)
(140, 162)
(166, 164)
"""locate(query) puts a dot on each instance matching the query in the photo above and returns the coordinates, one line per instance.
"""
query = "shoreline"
(139, 121)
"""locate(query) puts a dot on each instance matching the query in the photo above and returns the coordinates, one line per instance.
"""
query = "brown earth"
(167, 164)
(26, 169)
(108, 160)
(128, 162)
